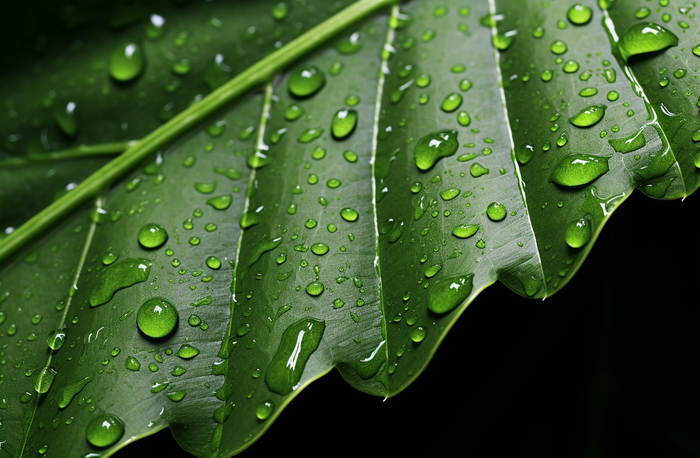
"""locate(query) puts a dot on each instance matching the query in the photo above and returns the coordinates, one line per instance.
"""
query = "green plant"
(340, 220)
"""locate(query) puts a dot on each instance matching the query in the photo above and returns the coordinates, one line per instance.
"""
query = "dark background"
(606, 367)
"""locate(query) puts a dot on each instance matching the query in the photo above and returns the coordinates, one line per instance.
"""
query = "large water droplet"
(589, 116)
(104, 430)
(418, 334)
(432, 147)
(464, 231)
(496, 211)
(298, 342)
(187, 351)
(578, 233)
(306, 80)
(120, 275)
(126, 62)
(349, 214)
(579, 14)
(314, 288)
(157, 317)
(579, 169)
(152, 235)
(343, 123)
(264, 410)
(646, 37)
(445, 295)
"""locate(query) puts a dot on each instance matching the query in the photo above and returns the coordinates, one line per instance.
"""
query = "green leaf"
(337, 186)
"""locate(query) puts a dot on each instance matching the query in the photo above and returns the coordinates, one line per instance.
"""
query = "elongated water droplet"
(187, 351)
(120, 275)
(309, 135)
(44, 379)
(432, 147)
(157, 317)
(221, 202)
(69, 391)
(578, 233)
(298, 343)
(579, 169)
(610, 75)
(476, 170)
(152, 235)
(293, 112)
(464, 231)
(306, 80)
(589, 116)
(445, 295)
(646, 37)
(343, 123)
(126, 62)
(451, 102)
(588, 92)
(579, 14)
(104, 430)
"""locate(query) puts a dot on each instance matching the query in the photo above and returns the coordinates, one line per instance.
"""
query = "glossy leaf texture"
(343, 215)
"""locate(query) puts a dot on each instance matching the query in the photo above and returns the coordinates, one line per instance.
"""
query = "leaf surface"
(346, 223)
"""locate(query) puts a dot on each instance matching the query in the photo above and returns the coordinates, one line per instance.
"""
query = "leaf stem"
(256, 75)
(82, 151)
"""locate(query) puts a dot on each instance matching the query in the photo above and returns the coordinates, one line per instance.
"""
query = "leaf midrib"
(258, 74)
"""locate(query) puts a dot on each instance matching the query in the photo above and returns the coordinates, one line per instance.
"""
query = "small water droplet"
(349, 214)
(343, 123)
(280, 10)
(350, 45)
(571, 66)
(558, 47)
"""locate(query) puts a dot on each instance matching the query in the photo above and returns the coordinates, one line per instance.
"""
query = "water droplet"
(496, 211)
(579, 169)
(558, 47)
(451, 102)
(629, 144)
(298, 343)
(309, 135)
(613, 95)
(126, 62)
(464, 231)
(44, 379)
(121, 275)
(546, 75)
(432, 270)
(588, 92)
(538, 32)
(176, 396)
(610, 75)
(571, 66)
(205, 188)
(449, 292)
(280, 10)
(155, 27)
(423, 80)
(589, 116)
(319, 249)
(314, 288)
(104, 430)
(182, 67)
(502, 41)
(349, 214)
(418, 334)
(352, 100)
(213, 262)
(350, 156)
(152, 235)
(578, 233)
(350, 45)
(680, 73)
(579, 14)
(645, 37)
(428, 35)
(56, 339)
(264, 410)
(343, 123)
(220, 203)
(157, 317)
(306, 81)
(476, 170)
(69, 391)
(187, 351)
(67, 120)
(642, 12)
(432, 147)
(450, 193)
